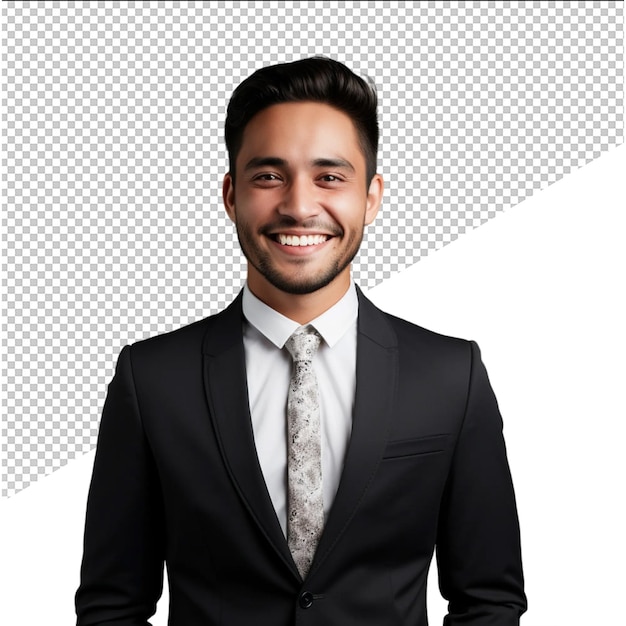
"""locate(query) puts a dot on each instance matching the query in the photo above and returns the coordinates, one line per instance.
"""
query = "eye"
(266, 179)
(330, 178)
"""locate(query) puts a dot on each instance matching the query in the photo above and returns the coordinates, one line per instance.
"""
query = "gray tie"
(305, 512)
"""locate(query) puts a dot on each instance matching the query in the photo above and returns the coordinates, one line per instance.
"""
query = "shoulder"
(407, 336)
(187, 341)
(411, 334)
(447, 356)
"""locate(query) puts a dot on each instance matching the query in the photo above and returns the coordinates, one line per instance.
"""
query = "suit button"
(306, 600)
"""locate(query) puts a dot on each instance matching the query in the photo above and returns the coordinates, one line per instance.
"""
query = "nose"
(299, 200)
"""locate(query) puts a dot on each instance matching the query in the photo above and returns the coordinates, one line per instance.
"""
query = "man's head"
(300, 189)
(316, 79)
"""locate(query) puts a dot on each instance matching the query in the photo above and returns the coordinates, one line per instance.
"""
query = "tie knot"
(303, 343)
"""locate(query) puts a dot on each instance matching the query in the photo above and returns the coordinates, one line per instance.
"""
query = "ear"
(374, 198)
(228, 196)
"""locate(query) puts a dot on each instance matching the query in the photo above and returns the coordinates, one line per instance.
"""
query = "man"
(298, 457)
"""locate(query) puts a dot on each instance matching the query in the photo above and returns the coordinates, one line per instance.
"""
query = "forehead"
(293, 130)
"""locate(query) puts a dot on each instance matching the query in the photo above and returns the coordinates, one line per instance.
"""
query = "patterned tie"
(305, 514)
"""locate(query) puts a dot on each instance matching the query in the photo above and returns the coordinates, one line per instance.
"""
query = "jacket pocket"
(414, 447)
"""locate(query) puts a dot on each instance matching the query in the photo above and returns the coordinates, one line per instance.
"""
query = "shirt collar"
(332, 325)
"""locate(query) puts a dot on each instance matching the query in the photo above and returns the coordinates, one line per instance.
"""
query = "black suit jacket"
(176, 479)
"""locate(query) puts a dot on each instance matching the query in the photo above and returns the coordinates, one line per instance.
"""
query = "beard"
(300, 281)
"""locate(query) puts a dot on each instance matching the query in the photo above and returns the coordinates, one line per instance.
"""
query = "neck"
(301, 308)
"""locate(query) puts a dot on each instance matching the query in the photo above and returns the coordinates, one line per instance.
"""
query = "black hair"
(316, 79)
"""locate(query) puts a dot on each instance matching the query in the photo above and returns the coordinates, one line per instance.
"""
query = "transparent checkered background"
(113, 157)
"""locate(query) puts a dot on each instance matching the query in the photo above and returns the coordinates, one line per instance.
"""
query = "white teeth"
(301, 240)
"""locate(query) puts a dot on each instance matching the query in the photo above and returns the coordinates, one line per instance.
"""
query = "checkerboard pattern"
(113, 156)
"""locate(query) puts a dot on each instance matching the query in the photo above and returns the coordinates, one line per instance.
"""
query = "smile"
(301, 240)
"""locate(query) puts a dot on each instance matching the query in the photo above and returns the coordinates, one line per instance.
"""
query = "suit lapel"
(227, 395)
(376, 379)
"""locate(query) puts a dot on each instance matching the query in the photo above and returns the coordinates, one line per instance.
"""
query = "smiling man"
(299, 457)
(300, 199)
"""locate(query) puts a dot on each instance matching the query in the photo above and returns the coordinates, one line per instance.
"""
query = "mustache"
(313, 224)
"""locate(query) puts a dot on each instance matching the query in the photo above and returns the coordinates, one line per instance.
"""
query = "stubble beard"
(293, 283)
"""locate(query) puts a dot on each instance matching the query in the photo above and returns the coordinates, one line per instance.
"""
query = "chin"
(299, 287)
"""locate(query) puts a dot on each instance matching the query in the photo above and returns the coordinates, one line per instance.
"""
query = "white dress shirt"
(268, 370)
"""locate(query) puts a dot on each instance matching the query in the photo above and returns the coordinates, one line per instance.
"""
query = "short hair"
(315, 79)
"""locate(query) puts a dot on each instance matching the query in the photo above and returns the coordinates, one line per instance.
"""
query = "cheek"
(350, 210)
(260, 201)
(250, 207)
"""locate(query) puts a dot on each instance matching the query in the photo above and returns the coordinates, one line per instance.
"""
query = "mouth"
(300, 240)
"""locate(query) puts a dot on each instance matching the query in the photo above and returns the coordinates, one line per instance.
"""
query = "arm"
(478, 547)
(122, 569)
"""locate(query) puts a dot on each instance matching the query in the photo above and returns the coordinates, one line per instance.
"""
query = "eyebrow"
(271, 161)
(264, 162)
(334, 162)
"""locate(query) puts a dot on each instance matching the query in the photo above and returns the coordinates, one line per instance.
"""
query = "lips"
(300, 240)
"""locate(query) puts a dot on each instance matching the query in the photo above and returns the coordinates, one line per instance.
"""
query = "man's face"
(300, 201)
